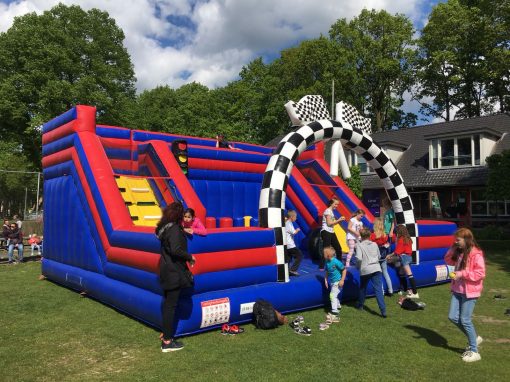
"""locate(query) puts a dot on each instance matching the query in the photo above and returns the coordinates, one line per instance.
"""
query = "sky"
(174, 42)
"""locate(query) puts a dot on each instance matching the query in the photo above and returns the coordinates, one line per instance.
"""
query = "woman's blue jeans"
(461, 311)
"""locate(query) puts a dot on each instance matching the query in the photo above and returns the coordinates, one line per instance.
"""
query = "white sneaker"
(471, 356)
(413, 295)
(479, 340)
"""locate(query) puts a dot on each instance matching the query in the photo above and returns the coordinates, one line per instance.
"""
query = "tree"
(464, 59)
(498, 182)
(380, 58)
(354, 182)
(50, 62)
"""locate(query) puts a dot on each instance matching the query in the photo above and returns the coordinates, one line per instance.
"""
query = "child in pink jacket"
(192, 224)
(467, 285)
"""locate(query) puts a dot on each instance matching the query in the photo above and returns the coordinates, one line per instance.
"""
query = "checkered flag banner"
(308, 109)
(348, 113)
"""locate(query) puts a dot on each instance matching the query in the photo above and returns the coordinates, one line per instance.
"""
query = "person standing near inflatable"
(327, 231)
(292, 250)
(389, 219)
(353, 236)
(173, 271)
(367, 256)
(334, 281)
(382, 241)
(467, 285)
(404, 251)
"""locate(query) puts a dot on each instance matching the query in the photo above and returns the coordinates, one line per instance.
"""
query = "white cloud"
(210, 41)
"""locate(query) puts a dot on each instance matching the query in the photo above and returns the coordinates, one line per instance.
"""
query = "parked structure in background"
(444, 169)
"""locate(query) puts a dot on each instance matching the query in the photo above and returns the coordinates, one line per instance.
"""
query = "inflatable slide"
(104, 188)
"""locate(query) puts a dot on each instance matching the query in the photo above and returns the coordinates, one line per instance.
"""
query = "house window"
(453, 152)
(482, 207)
(357, 160)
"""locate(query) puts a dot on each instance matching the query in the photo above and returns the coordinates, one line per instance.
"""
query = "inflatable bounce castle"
(104, 188)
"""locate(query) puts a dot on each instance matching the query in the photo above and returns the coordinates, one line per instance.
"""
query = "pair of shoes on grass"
(298, 326)
(231, 330)
(171, 345)
(479, 340)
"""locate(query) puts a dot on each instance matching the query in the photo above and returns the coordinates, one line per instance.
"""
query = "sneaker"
(479, 340)
(171, 346)
(331, 317)
(389, 294)
(471, 356)
(295, 324)
(413, 295)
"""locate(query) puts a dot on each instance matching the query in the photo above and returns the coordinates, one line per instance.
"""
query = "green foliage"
(379, 61)
(50, 62)
(354, 182)
(498, 183)
(464, 58)
(491, 232)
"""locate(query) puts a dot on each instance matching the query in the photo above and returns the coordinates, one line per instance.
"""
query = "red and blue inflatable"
(104, 187)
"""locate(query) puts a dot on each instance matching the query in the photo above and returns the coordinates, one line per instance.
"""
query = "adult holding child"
(467, 284)
(328, 236)
(173, 270)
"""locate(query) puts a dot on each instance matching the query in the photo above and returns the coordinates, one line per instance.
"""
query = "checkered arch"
(276, 177)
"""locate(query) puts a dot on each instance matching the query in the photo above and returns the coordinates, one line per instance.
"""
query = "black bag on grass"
(264, 315)
(410, 304)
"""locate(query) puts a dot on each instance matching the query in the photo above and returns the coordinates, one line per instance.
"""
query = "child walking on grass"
(467, 285)
(334, 279)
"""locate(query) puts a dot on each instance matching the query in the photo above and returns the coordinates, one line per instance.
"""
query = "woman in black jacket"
(173, 271)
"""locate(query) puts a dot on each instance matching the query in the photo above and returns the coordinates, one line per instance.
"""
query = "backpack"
(264, 315)
(410, 304)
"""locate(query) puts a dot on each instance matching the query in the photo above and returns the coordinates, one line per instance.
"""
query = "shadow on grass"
(497, 252)
(432, 338)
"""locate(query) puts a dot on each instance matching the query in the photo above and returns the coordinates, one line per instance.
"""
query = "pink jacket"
(469, 281)
(197, 227)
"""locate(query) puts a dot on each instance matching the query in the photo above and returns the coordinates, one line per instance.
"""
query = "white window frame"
(353, 161)
(455, 152)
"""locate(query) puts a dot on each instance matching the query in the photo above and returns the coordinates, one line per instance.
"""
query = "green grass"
(51, 333)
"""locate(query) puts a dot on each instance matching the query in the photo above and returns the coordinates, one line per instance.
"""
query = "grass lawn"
(50, 333)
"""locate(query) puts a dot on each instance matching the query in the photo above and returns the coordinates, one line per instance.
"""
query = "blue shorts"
(406, 259)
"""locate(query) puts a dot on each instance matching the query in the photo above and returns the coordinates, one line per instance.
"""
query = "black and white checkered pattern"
(308, 109)
(348, 113)
(276, 177)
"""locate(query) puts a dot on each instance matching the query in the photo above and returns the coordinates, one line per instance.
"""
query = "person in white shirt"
(328, 236)
(292, 250)
(353, 235)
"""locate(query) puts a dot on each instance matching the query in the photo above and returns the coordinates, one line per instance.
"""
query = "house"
(443, 167)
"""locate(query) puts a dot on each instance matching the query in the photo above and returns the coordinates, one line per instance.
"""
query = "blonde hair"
(291, 213)
(379, 228)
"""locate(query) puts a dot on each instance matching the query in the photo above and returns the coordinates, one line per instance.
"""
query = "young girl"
(191, 224)
(467, 285)
(355, 225)
(292, 250)
(382, 240)
(404, 250)
(327, 231)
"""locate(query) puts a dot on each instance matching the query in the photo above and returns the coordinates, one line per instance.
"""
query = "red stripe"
(116, 143)
(434, 222)
(147, 261)
(301, 209)
(121, 164)
(224, 165)
(242, 258)
(427, 242)
(58, 157)
(59, 132)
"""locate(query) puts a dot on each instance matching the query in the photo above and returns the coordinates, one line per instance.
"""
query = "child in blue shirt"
(334, 278)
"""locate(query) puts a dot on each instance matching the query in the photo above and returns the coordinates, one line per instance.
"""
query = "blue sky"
(173, 42)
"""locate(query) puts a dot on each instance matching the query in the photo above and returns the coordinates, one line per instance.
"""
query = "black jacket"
(173, 271)
(15, 236)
